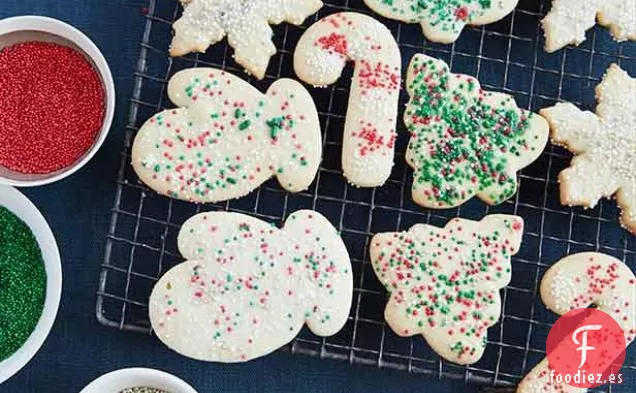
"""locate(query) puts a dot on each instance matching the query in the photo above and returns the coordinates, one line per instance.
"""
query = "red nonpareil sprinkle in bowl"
(52, 107)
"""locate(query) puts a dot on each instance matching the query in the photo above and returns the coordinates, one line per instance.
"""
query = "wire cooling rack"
(506, 56)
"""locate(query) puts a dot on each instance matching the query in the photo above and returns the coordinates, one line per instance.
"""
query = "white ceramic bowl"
(19, 205)
(38, 28)
(126, 378)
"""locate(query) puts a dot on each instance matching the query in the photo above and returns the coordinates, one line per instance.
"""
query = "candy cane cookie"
(247, 287)
(465, 141)
(443, 20)
(370, 126)
(246, 24)
(444, 282)
(578, 281)
(226, 138)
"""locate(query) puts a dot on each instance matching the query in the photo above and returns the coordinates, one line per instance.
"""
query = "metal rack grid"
(506, 56)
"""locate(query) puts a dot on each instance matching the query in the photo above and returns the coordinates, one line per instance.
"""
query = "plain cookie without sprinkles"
(465, 141)
(444, 282)
(578, 281)
(604, 145)
(247, 287)
(227, 138)
(370, 126)
(443, 20)
(246, 24)
(568, 20)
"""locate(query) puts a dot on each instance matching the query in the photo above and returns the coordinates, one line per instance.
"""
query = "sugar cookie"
(247, 287)
(442, 20)
(227, 138)
(246, 24)
(577, 281)
(370, 127)
(444, 282)
(465, 141)
(568, 20)
(604, 144)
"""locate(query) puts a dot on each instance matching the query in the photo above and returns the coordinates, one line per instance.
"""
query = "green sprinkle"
(22, 283)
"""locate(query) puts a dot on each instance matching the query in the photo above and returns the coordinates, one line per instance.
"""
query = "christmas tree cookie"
(465, 141)
(444, 282)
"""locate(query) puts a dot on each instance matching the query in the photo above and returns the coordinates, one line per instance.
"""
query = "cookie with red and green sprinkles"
(226, 138)
(246, 24)
(577, 282)
(444, 282)
(443, 20)
(247, 287)
(322, 52)
(465, 141)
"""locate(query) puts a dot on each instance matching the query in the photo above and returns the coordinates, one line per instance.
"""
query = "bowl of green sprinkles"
(138, 380)
(30, 281)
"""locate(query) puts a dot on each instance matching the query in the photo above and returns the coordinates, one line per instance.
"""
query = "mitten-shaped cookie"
(369, 131)
(442, 20)
(247, 287)
(444, 282)
(465, 141)
(227, 138)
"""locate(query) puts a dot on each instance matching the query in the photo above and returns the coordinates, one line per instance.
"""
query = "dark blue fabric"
(79, 349)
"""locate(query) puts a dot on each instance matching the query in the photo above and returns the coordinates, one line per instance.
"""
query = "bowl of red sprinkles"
(57, 100)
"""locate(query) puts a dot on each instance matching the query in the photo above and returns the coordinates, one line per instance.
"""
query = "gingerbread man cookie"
(246, 24)
(227, 138)
(568, 20)
(370, 126)
(444, 282)
(577, 281)
(465, 141)
(604, 144)
(442, 20)
(247, 288)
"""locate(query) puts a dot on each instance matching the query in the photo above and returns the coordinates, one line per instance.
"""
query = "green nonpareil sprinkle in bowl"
(22, 283)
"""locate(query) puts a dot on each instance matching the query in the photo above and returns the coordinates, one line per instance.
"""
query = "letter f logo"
(583, 345)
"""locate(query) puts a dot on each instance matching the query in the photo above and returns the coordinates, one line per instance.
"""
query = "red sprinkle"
(51, 107)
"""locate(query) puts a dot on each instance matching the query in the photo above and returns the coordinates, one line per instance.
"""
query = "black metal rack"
(506, 56)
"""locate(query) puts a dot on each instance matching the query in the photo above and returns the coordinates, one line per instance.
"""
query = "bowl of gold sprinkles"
(138, 380)
(30, 281)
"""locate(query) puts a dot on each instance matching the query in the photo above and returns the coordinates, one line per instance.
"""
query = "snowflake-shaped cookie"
(227, 138)
(604, 144)
(246, 24)
(444, 282)
(465, 141)
(443, 20)
(568, 20)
